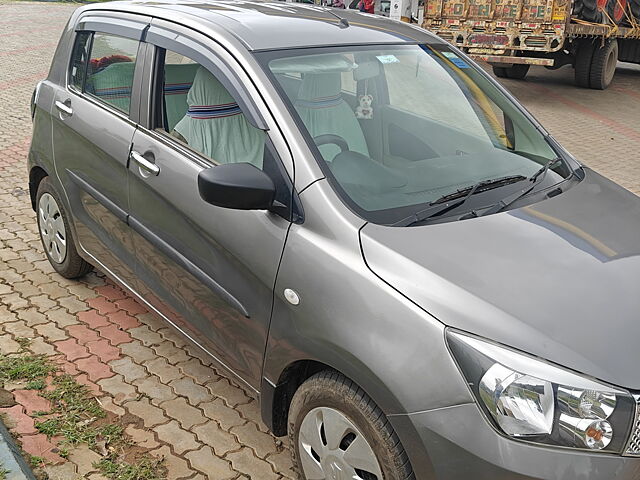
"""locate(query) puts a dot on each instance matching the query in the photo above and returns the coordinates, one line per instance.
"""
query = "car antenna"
(343, 21)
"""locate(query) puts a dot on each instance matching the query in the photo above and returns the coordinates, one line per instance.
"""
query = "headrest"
(320, 87)
(327, 63)
(207, 90)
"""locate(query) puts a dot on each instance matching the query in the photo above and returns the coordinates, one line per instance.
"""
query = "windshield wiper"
(535, 179)
(443, 204)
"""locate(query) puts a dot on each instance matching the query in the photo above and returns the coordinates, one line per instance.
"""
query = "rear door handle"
(64, 108)
(145, 164)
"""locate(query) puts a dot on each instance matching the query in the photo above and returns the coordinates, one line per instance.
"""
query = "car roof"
(263, 25)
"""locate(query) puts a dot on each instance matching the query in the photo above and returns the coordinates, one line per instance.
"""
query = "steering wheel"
(331, 139)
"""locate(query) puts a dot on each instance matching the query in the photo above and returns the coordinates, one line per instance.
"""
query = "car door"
(94, 118)
(209, 270)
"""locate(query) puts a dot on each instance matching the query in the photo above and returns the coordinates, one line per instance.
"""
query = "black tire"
(603, 65)
(583, 59)
(577, 8)
(72, 266)
(500, 72)
(329, 389)
(518, 71)
(588, 10)
(616, 11)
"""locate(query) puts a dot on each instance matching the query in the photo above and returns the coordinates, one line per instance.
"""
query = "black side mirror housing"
(241, 186)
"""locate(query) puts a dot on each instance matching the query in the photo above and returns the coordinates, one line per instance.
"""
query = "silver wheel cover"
(52, 231)
(332, 448)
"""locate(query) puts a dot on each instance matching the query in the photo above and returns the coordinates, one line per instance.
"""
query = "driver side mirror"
(241, 186)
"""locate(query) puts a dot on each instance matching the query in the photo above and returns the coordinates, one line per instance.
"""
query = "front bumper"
(511, 60)
(457, 443)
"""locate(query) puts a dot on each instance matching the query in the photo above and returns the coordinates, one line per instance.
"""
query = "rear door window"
(110, 71)
(79, 60)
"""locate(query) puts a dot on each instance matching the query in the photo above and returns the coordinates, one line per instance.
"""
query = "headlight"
(530, 399)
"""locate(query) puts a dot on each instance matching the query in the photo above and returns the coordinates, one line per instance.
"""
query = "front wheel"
(337, 432)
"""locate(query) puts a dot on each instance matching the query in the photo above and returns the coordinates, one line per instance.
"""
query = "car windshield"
(398, 127)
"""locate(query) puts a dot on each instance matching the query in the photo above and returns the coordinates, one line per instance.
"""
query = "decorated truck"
(512, 35)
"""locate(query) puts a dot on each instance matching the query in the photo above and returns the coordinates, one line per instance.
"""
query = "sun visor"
(329, 63)
(366, 70)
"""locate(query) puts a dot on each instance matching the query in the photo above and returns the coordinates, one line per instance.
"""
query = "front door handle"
(64, 108)
(145, 164)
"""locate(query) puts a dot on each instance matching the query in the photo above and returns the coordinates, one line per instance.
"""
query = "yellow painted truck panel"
(498, 27)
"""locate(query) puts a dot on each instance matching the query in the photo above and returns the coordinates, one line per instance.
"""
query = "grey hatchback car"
(360, 227)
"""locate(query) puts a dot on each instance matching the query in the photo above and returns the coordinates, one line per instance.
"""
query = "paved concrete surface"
(601, 128)
(204, 425)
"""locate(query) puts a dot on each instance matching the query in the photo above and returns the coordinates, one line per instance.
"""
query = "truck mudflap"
(509, 60)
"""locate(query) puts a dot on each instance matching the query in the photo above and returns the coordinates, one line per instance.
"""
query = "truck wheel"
(591, 10)
(583, 59)
(337, 432)
(516, 72)
(500, 72)
(616, 9)
(577, 8)
(603, 65)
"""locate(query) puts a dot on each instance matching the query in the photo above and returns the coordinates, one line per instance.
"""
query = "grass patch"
(37, 384)
(35, 461)
(72, 397)
(78, 418)
(25, 367)
(144, 469)
(3, 472)
(75, 413)
(23, 342)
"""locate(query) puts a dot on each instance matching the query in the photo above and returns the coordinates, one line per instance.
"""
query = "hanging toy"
(364, 110)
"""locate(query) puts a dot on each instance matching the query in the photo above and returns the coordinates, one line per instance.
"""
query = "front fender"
(352, 321)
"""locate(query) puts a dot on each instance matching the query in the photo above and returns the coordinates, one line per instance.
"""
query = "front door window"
(200, 112)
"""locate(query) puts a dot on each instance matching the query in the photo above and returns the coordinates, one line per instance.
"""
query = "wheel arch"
(276, 398)
(275, 401)
(36, 175)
